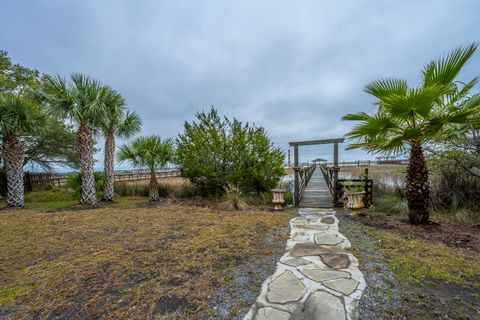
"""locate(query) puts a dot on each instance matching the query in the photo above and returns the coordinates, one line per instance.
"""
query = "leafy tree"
(214, 152)
(118, 122)
(407, 119)
(81, 100)
(17, 79)
(18, 115)
(149, 152)
(55, 143)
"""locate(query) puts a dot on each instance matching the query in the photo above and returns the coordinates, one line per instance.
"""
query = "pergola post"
(296, 178)
(335, 173)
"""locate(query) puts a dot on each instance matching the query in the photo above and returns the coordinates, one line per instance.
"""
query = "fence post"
(296, 177)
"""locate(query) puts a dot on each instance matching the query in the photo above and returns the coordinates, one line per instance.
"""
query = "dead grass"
(375, 172)
(124, 260)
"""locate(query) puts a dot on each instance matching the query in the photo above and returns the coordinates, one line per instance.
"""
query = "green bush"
(74, 181)
(214, 153)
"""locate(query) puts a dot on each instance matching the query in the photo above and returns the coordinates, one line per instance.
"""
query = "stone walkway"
(315, 278)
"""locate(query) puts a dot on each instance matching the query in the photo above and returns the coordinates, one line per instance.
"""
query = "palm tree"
(81, 100)
(18, 116)
(409, 118)
(118, 122)
(148, 152)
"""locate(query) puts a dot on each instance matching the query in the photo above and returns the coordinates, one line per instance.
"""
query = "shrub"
(234, 199)
(454, 188)
(214, 152)
(74, 181)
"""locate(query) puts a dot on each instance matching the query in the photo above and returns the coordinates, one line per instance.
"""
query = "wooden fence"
(365, 184)
(47, 180)
(361, 163)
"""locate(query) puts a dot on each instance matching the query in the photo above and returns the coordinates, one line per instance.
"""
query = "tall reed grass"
(171, 187)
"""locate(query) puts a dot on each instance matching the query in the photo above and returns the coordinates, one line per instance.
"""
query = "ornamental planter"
(277, 200)
(355, 199)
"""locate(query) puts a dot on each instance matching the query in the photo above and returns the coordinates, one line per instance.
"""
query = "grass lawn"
(131, 260)
(415, 272)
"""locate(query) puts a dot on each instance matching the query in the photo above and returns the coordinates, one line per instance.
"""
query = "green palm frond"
(361, 116)
(385, 87)
(19, 115)
(80, 99)
(472, 103)
(147, 152)
(118, 120)
(417, 102)
(458, 95)
(444, 70)
(129, 125)
(379, 124)
(438, 107)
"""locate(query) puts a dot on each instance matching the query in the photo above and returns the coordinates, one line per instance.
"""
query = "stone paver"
(320, 275)
(335, 260)
(268, 313)
(322, 305)
(344, 286)
(328, 220)
(316, 278)
(295, 262)
(327, 239)
(285, 288)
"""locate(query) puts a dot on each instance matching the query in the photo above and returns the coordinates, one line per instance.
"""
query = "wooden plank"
(313, 142)
(317, 193)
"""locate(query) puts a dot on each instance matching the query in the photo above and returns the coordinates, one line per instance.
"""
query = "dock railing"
(303, 174)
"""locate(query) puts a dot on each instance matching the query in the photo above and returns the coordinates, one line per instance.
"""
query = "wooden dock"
(316, 193)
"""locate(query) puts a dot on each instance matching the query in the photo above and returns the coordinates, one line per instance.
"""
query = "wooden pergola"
(297, 144)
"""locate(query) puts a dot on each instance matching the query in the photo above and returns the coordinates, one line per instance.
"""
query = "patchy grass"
(125, 260)
(418, 261)
(415, 272)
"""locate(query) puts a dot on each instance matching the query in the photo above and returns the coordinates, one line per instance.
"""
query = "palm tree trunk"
(153, 188)
(13, 157)
(109, 174)
(417, 187)
(85, 152)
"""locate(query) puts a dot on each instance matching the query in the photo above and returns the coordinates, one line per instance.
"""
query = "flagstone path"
(316, 279)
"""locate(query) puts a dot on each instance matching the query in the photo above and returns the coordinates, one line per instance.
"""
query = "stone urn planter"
(355, 199)
(278, 200)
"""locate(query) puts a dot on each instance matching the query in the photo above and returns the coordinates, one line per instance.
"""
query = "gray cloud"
(293, 67)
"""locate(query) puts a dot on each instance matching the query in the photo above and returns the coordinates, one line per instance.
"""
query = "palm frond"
(147, 152)
(444, 70)
(19, 115)
(131, 123)
(379, 124)
(361, 116)
(417, 102)
(385, 87)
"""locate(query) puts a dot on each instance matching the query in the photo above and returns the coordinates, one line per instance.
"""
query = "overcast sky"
(294, 67)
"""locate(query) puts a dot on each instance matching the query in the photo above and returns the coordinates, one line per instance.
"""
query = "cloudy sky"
(294, 67)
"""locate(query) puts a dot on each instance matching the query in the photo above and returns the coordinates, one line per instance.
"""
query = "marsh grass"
(170, 187)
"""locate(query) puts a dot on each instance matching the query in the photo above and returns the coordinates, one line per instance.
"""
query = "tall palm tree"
(119, 122)
(409, 118)
(18, 116)
(148, 152)
(81, 100)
